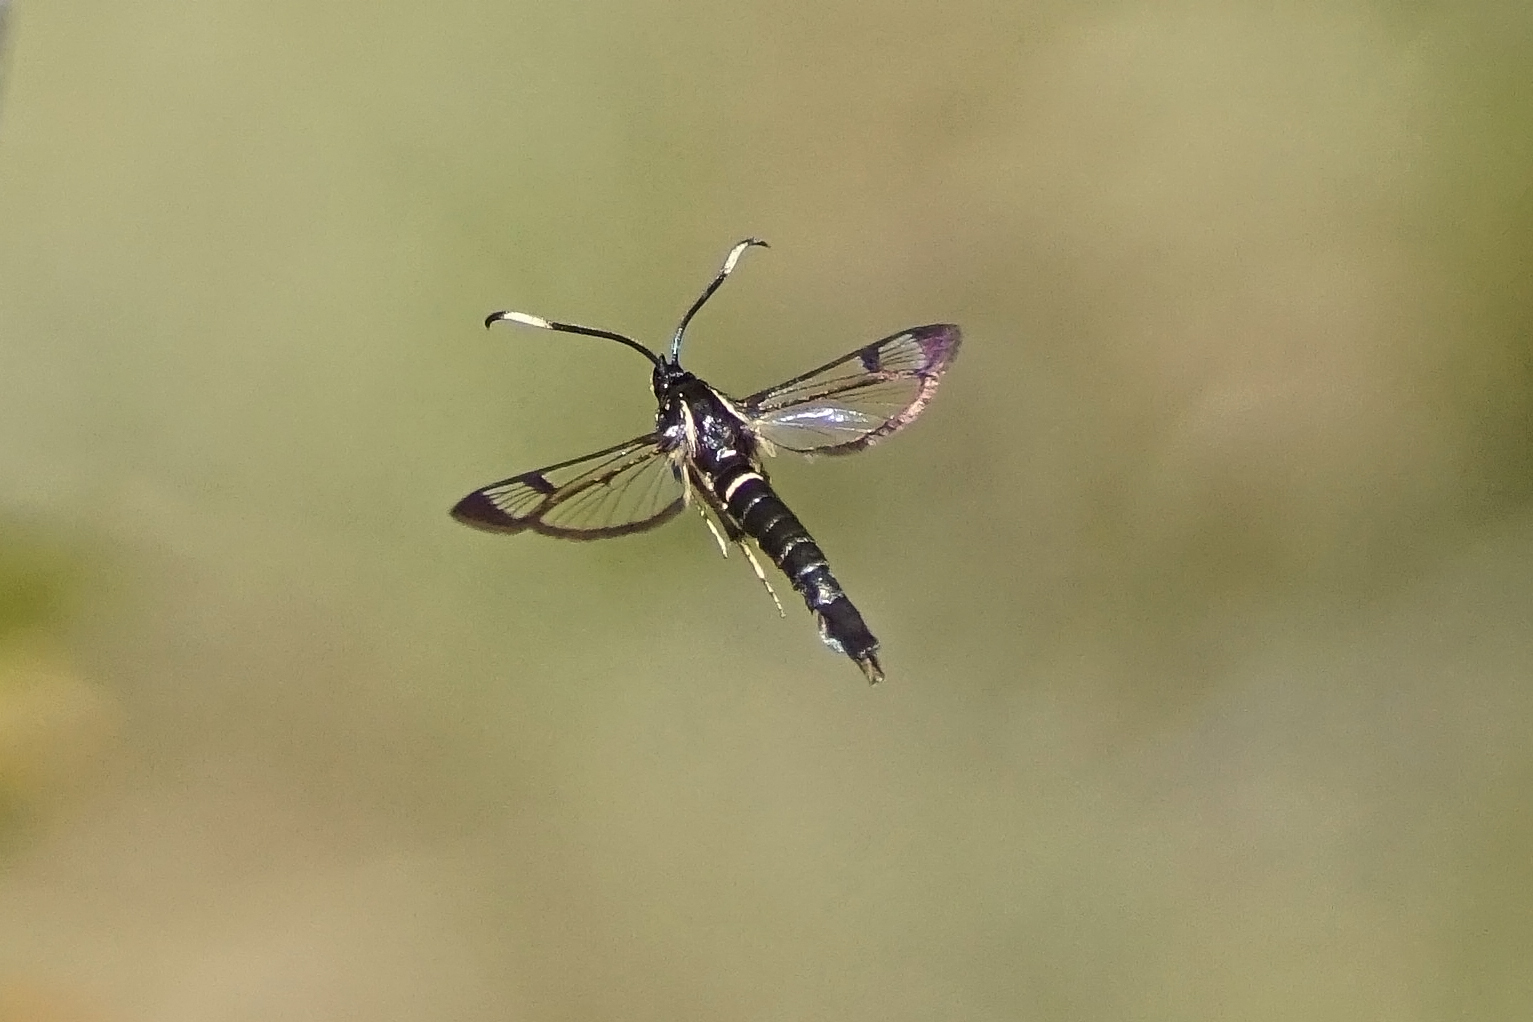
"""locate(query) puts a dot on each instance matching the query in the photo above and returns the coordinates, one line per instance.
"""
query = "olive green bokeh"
(1204, 583)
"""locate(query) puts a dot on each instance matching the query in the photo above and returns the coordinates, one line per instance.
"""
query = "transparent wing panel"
(859, 398)
(624, 489)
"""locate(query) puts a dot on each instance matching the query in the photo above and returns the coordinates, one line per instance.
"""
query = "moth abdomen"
(762, 515)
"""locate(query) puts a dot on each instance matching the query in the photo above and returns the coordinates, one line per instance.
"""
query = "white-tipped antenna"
(724, 271)
(526, 319)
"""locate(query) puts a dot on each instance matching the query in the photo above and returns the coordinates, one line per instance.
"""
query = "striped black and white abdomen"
(748, 498)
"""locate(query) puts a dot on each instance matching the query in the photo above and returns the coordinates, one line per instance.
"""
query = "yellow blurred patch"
(24, 1001)
(54, 725)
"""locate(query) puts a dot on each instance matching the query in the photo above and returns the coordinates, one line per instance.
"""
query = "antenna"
(570, 328)
(726, 270)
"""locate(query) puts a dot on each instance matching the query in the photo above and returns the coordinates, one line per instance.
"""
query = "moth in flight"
(708, 448)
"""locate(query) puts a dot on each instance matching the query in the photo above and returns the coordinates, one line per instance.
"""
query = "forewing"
(624, 489)
(857, 399)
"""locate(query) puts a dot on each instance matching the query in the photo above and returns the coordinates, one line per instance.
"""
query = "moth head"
(666, 378)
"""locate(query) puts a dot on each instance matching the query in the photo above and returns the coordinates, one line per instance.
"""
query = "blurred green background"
(1204, 584)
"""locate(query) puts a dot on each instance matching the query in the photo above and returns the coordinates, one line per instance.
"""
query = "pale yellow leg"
(723, 547)
(749, 556)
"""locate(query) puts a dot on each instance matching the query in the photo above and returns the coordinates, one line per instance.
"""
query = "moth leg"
(732, 531)
(756, 565)
(687, 483)
(707, 502)
(717, 537)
